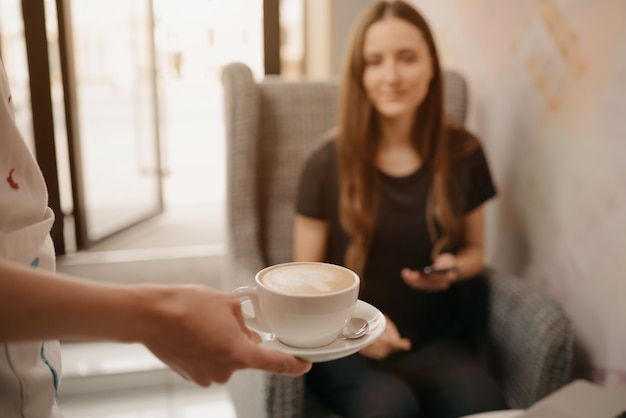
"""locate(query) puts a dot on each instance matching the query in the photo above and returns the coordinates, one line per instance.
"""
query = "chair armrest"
(285, 396)
(533, 336)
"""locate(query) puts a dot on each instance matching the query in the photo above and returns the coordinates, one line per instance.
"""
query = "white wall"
(548, 98)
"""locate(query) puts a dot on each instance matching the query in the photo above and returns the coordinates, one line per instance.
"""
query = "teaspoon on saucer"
(355, 328)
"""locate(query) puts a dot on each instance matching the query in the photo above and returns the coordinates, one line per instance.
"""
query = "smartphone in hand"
(430, 270)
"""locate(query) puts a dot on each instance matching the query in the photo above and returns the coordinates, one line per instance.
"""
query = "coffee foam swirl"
(306, 280)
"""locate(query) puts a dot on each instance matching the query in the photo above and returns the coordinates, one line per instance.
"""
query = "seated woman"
(398, 189)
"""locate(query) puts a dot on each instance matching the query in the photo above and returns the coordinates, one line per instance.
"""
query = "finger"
(238, 313)
(256, 338)
(371, 352)
(403, 344)
(393, 334)
(440, 284)
(409, 275)
(400, 343)
(418, 281)
(274, 361)
(433, 284)
(202, 380)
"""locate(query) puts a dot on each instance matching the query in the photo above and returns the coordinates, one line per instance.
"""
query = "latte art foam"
(304, 279)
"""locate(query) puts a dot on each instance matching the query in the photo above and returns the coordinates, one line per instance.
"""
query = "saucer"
(339, 348)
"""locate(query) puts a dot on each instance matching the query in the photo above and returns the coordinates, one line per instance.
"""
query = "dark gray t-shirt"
(400, 237)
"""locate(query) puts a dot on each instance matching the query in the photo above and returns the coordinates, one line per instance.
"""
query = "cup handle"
(256, 321)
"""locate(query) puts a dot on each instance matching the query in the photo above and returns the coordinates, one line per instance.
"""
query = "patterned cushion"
(295, 118)
(534, 337)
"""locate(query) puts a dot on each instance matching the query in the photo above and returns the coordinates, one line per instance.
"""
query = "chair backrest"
(271, 127)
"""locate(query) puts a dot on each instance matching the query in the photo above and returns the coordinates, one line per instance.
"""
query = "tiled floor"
(110, 380)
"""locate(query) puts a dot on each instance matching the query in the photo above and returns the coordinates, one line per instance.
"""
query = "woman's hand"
(433, 282)
(196, 330)
(201, 334)
(386, 344)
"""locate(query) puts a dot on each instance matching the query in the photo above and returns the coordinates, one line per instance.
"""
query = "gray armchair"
(271, 126)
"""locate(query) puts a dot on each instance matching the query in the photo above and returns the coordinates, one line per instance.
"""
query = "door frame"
(66, 52)
(43, 120)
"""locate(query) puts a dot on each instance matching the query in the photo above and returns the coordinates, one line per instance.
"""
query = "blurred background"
(120, 101)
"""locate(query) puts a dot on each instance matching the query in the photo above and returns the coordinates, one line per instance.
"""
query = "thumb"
(403, 344)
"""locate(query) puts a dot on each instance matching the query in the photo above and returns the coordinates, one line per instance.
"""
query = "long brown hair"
(359, 136)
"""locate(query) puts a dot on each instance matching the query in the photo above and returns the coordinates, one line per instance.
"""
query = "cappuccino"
(308, 279)
(304, 304)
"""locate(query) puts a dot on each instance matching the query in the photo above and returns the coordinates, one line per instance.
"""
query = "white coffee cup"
(304, 304)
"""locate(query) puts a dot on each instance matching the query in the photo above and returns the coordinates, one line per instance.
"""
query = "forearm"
(469, 262)
(469, 259)
(310, 237)
(38, 305)
(196, 330)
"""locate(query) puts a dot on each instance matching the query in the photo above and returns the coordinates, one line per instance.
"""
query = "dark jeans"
(441, 380)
